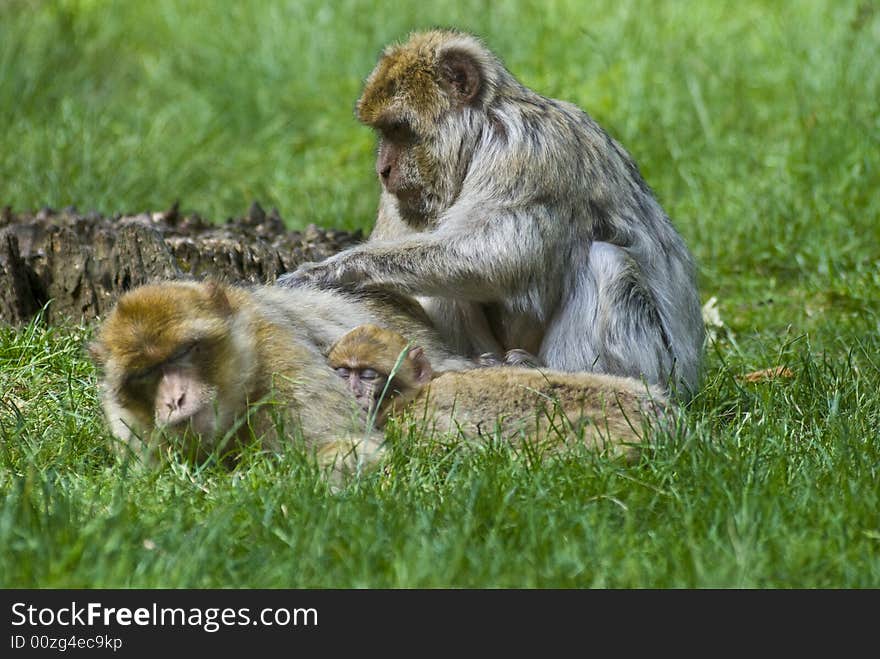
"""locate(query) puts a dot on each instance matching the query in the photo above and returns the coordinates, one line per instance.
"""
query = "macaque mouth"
(172, 419)
(198, 426)
(406, 192)
(415, 207)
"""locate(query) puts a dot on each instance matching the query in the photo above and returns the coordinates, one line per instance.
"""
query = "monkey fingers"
(488, 359)
(522, 358)
(515, 357)
(324, 274)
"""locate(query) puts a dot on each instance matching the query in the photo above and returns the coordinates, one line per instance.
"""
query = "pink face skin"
(366, 384)
(183, 402)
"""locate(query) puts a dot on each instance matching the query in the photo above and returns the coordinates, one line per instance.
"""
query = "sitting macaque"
(517, 221)
(389, 375)
(199, 366)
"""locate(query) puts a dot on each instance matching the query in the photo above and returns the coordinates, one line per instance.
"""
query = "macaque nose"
(176, 403)
(179, 397)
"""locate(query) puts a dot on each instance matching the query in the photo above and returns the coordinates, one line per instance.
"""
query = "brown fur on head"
(431, 73)
(366, 358)
(151, 321)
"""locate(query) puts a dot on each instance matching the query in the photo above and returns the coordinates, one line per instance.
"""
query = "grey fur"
(535, 231)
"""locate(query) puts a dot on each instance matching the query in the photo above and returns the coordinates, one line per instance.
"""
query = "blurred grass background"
(756, 123)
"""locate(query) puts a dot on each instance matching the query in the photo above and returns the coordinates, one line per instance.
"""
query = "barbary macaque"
(518, 221)
(389, 375)
(200, 366)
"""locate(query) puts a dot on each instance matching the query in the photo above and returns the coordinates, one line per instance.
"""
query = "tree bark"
(75, 266)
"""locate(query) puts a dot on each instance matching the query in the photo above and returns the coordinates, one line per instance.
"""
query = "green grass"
(756, 123)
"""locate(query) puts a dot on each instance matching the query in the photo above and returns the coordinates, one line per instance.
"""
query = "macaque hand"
(334, 272)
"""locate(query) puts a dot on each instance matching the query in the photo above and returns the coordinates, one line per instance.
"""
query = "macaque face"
(366, 384)
(170, 367)
(395, 164)
(380, 368)
(408, 157)
(405, 166)
(175, 395)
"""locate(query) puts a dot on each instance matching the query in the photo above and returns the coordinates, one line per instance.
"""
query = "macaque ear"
(461, 75)
(217, 295)
(421, 365)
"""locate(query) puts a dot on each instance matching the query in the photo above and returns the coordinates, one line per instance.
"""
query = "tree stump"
(76, 266)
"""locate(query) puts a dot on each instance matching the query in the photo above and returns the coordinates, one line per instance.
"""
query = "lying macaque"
(388, 375)
(200, 365)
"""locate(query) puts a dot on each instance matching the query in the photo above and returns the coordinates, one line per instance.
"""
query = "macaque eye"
(190, 349)
(143, 377)
(398, 132)
(343, 372)
(369, 374)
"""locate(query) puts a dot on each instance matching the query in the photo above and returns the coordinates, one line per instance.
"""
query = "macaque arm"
(478, 261)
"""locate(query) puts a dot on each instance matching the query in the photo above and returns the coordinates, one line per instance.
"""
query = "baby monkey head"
(381, 369)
